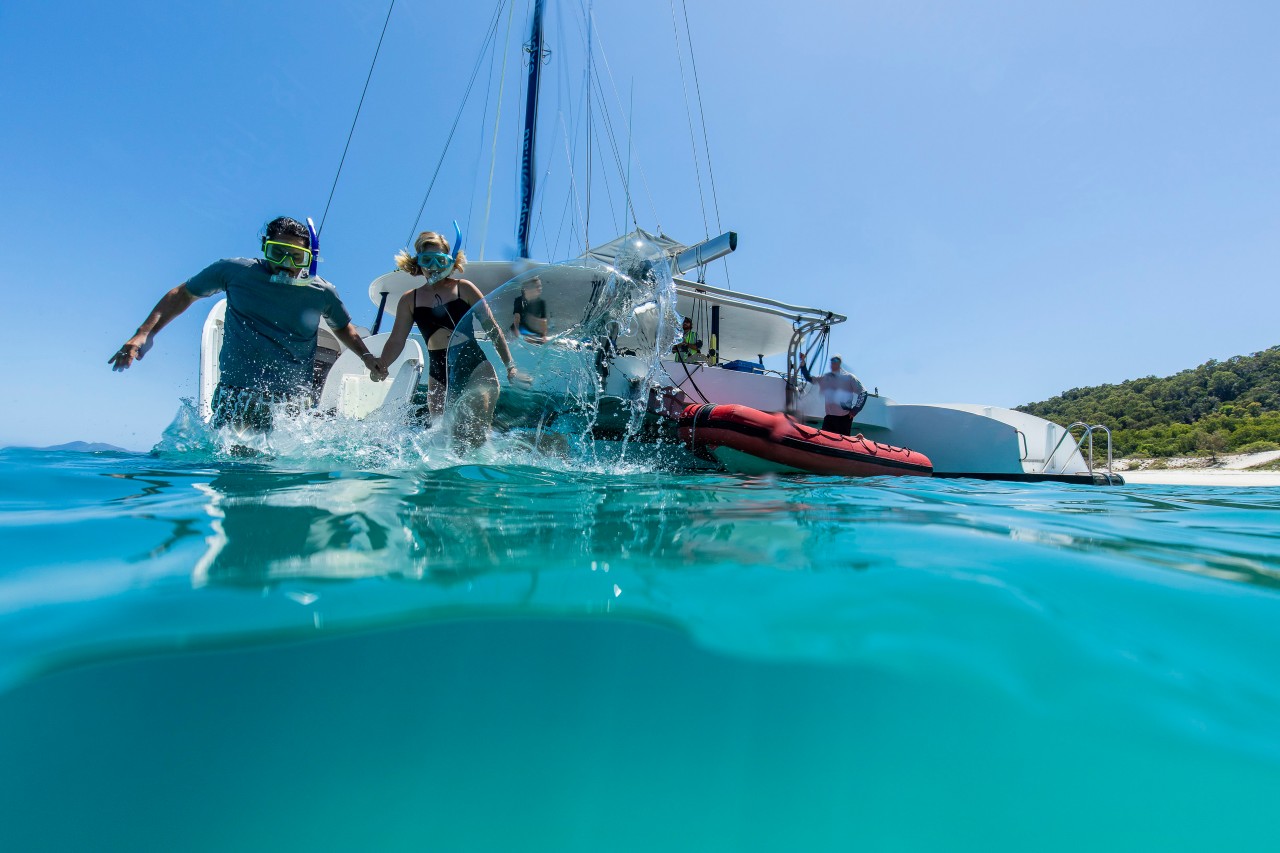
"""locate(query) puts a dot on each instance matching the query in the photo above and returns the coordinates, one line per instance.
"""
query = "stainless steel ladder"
(1089, 430)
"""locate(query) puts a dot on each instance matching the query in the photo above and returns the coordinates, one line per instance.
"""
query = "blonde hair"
(407, 261)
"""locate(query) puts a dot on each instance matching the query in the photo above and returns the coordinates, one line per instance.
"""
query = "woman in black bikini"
(438, 307)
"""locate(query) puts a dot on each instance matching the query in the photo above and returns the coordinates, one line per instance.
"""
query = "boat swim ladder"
(1086, 435)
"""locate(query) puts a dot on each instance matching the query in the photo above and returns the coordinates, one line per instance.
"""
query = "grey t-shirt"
(269, 340)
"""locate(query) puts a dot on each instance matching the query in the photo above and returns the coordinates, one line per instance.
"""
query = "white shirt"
(840, 390)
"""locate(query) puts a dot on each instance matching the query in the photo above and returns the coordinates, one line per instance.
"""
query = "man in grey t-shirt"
(269, 339)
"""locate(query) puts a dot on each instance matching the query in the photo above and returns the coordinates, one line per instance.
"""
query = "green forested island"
(1218, 407)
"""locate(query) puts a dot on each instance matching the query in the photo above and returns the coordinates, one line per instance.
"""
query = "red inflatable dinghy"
(774, 442)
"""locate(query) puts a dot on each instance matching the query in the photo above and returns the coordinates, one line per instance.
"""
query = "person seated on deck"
(438, 307)
(689, 348)
(529, 315)
(842, 392)
(274, 308)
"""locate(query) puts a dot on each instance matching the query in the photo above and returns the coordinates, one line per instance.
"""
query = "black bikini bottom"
(466, 358)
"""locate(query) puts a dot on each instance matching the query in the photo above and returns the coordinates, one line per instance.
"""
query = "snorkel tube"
(457, 242)
(314, 236)
(457, 250)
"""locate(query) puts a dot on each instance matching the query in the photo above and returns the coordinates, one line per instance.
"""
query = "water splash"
(594, 371)
(315, 442)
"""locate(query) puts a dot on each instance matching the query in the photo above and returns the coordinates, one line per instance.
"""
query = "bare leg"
(435, 398)
(552, 443)
(473, 413)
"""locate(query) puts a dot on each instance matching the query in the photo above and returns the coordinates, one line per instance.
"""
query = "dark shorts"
(248, 408)
(466, 357)
(842, 424)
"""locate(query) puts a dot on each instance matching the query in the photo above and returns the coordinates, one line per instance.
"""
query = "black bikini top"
(444, 315)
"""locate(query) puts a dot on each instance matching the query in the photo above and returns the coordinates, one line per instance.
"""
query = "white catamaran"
(606, 362)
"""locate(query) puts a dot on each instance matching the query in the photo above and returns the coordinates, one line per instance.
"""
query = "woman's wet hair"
(285, 226)
(407, 261)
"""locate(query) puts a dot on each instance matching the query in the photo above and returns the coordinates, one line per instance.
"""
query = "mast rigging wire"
(497, 122)
(595, 132)
(693, 141)
(573, 187)
(571, 152)
(351, 132)
(706, 142)
(562, 86)
(631, 112)
(613, 144)
(566, 101)
(475, 71)
(608, 121)
(595, 98)
(644, 177)
(475, 165)
(541, 195)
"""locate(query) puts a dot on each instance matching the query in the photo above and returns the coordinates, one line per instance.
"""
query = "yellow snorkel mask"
(286, 255)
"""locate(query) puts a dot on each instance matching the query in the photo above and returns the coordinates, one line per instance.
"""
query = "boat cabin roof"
(750, 326)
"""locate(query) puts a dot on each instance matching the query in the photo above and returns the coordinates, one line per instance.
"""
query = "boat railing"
(1085, 436)
(801, 329)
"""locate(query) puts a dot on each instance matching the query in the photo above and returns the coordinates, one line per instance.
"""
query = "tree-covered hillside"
(1220, 406)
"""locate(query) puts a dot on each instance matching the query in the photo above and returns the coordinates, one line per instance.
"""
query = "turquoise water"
(378, 647)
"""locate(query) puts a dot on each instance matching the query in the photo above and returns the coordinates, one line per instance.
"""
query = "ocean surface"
(365, 643)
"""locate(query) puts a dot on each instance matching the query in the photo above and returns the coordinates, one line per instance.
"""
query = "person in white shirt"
(843, 393)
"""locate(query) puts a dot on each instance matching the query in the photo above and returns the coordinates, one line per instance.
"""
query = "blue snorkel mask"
(437, 266)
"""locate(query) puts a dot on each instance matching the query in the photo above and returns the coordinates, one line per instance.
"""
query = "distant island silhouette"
(85, 447)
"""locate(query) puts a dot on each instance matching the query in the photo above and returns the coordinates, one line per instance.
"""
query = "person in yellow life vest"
(689, 344)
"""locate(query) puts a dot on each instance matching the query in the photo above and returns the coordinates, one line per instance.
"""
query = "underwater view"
(367, 642)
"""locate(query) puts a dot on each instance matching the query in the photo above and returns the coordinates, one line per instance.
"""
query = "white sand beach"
(1229, 470)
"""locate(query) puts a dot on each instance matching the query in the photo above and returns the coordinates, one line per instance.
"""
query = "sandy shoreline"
(1201, 477)
(1229, 470)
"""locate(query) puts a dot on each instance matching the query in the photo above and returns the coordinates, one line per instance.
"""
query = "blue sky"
(1007, 199)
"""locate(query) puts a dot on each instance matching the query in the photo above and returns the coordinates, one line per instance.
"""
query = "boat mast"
(534, 49)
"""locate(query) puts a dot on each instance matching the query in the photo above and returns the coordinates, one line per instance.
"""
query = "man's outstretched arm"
(170, 306)
(352, 340)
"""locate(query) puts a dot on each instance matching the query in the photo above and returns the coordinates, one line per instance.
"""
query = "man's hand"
(172, 304)
(376, 371)
(132, 350)
(351, 340)
(802, 358)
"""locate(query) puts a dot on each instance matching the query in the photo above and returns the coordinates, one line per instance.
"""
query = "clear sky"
(1007, 199)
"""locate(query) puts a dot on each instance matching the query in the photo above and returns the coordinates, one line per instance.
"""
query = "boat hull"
(751, 441)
